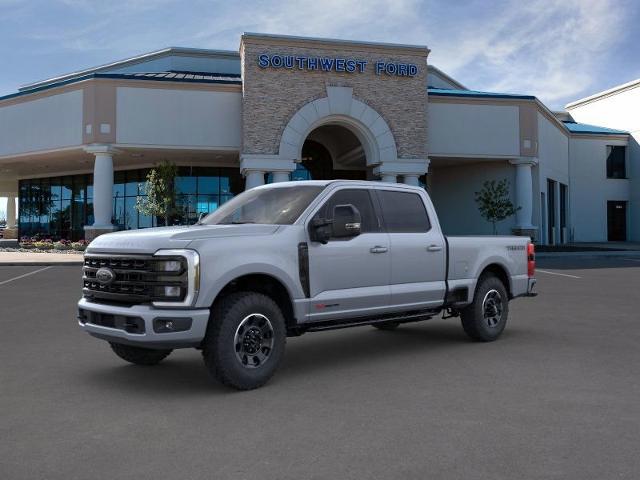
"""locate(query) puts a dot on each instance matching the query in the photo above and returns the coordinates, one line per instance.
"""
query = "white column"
(524, 191)
(389, 178)
(254, 166)
(11, 211)
(253, 178)
(102, 186)
(412, 180)
(280, 176)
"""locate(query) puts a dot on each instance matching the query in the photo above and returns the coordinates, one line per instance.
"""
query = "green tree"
(160, 199)
(494, 203)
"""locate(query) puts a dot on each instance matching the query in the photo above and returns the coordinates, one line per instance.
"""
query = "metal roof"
(186, 77)
(176, 75)
(475, 93)
(145, 57)
(575, 127)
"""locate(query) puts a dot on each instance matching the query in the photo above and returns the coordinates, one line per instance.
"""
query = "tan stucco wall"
(271, 96)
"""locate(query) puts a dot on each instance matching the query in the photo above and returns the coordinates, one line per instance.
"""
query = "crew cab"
(283, 259)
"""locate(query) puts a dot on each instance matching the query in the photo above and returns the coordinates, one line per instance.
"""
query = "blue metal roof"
(575, 127)
(444, 92)
(187, 77)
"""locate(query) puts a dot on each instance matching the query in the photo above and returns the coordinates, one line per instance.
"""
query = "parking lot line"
(24, 275)
(556, 273)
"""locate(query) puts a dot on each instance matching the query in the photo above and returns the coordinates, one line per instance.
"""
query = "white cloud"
(548, 48)
(554, 49)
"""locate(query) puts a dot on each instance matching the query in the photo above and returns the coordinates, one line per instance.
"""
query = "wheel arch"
(500, 271)
(266, 284)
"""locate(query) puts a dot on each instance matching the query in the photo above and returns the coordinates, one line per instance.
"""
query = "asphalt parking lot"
(556, 397)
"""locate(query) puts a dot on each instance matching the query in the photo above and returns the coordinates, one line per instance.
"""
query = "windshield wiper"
(238, 222)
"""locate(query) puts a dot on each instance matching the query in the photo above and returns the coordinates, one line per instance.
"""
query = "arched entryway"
(337, 137)
(332, 151)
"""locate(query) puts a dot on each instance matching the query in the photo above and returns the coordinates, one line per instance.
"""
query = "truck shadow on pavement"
(312, 354)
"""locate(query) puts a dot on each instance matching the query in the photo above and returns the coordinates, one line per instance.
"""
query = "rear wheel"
(139, 355)
(245, 340)
(486, 317)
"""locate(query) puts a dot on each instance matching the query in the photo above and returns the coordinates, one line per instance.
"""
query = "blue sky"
(557, 50)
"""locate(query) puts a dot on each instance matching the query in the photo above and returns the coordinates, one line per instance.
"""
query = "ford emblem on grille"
(105, 276)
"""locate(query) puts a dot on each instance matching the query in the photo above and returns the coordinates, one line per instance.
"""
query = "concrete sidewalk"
(38, 259)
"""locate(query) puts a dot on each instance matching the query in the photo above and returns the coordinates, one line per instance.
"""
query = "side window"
(616, 161)
(359, 198)
(403, 212)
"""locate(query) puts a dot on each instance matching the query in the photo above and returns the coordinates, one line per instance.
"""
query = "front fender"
(212, 284)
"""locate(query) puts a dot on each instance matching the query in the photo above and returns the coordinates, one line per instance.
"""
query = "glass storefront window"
(60, 207)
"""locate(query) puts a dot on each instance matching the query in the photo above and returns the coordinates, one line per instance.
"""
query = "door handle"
(378, 249)
(434, 248)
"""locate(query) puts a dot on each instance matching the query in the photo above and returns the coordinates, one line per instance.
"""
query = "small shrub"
(62, 245)
(80, 245)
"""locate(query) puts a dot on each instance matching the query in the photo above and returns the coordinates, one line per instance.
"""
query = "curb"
(612, 254)
(41, 264)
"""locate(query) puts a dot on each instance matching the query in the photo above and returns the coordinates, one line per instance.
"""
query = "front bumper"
(143, 325)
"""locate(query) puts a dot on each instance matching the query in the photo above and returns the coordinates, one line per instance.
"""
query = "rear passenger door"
(418, 252)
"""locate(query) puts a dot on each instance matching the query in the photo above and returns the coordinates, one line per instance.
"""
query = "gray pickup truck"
(288, 258)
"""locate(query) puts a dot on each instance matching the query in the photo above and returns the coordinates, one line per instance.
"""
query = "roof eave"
(603, 94)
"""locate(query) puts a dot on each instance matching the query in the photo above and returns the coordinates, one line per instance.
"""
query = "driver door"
(349, 277)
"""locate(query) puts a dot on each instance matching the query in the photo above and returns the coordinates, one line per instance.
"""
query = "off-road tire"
(220, 346)
(387, 326)
(138, 355)
(474, 321)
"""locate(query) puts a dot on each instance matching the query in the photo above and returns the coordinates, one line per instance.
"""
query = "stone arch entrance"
(344, 116)
(340, 109)
(332, 151)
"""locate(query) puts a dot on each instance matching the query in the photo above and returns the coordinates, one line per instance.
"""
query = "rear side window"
(360, 199)
(403, 212)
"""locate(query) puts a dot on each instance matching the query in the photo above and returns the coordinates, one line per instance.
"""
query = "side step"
(407, 317)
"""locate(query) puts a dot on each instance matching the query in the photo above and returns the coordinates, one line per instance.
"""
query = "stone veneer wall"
(271, 96)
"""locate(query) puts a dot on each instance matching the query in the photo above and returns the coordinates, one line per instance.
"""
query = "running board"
(361, 321)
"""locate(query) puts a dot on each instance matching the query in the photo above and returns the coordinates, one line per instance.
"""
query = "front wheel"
(485, 318)
(245, 340)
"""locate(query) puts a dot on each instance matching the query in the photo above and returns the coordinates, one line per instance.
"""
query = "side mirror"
(320, 230)
(346, 221)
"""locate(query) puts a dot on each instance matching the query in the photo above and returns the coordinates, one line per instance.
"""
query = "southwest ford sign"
(331, 64)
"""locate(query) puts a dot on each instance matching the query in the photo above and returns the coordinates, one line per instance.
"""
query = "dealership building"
(75, 149)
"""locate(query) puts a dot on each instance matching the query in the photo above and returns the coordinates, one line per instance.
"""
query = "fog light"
(168, 325)
(171, 291)
(170, 266)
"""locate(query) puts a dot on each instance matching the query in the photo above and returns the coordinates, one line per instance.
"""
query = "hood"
(149, 240)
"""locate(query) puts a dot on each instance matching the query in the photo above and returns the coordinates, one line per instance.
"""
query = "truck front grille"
(132, 280)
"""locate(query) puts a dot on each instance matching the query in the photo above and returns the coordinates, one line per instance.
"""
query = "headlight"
(178, 278)
(169, 266)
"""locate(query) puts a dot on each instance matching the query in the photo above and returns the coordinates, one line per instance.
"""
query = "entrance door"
(350, 277)
(617, 221)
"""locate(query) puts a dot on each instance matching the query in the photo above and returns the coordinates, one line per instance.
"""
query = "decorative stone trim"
(403, 167)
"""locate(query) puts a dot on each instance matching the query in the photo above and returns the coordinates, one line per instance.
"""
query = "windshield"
(272, 206)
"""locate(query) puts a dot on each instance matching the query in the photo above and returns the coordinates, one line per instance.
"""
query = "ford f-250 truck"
(288, 258)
